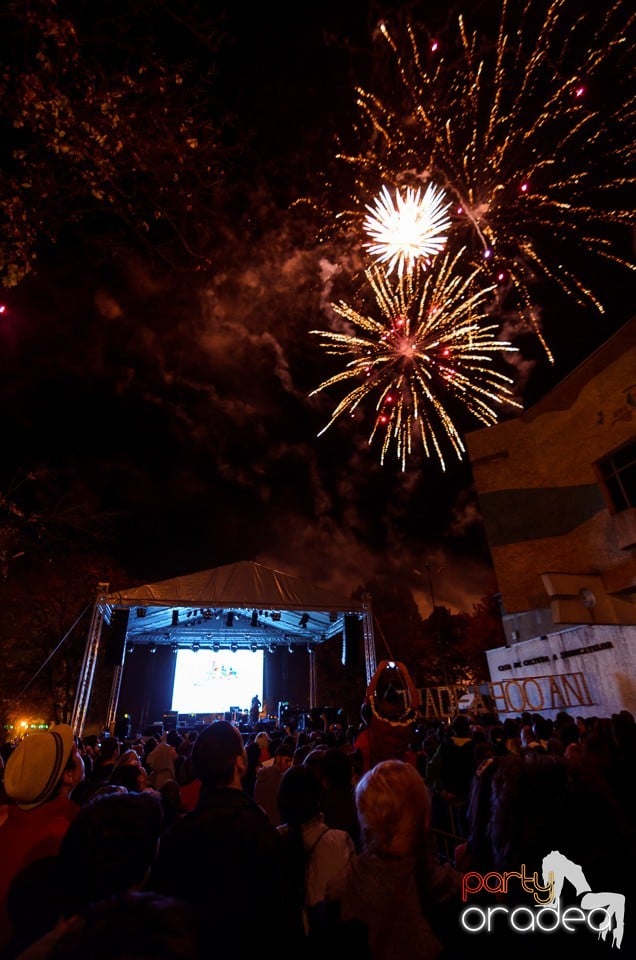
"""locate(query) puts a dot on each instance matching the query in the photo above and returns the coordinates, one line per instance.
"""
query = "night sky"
(172, 402)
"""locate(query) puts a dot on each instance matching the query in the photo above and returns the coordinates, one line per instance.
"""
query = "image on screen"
(206, 681)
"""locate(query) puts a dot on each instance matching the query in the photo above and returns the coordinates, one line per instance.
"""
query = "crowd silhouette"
(227, 843)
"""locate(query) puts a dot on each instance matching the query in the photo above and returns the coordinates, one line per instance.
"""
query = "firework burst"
(428, 353)
(407, 230)
(536, 166)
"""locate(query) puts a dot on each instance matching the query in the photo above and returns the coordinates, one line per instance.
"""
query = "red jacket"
(26, 836)
(385, 737)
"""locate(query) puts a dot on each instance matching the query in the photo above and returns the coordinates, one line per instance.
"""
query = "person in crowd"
(253, 753)
(541, 803)
(226, 845)
(105, 760)
(268, 778)
(449, 774)
(475, 852)
(562, 717)
(39, 779)
(102, 768)
(316, 854)
(393, 897)
(189, 785)
(127, 757)
(129, 772)
(624, 726)
(570, 738)
(496, 739)
(255, 709)
(4, 800)
(160, 763)
(303, 746)
(512, 741)
(89, 748)
(170, 793)
(149, 745)
(315, 760)
(337, 798)
(543, 730)
(108, 849)
(176, 740)
(528, 740)
(134, 925)
(389, 716)
(184, 750)
(6, 750)
(262, 740)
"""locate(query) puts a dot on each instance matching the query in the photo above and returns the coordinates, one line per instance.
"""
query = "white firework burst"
(407, 228)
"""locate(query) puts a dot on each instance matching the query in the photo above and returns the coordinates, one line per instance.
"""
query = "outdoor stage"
(213, 619)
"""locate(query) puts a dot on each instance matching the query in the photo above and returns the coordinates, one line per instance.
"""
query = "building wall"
(550, 531)
(564, 559)
(587, 671)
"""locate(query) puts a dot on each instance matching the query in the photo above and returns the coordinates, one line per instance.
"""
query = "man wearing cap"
(224, 850)
(39, 778)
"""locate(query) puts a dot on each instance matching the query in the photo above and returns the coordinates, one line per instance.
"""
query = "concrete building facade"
(557, 491)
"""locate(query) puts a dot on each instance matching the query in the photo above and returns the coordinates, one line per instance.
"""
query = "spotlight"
(234, 647)
(272, 648)
(152, 648)
(310, 648)
(276, 615)
(254, 620)
(175, 618)
(229, 620)
(216, 647)
(304, 620)
(195, 646)
(291, 648)
(254, 647)
(174, 647)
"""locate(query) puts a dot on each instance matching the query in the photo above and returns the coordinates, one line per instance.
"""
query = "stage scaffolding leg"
(370, 659)
(114, 698)
(87, 673)
(312, 680)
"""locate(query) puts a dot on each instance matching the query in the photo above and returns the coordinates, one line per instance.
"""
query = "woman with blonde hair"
(394, 895)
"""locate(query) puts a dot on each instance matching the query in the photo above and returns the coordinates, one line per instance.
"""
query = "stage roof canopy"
(241, 606)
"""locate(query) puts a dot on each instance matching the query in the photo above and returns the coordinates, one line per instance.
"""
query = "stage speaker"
(154, 730)
(170, 720)
(116, 638)
(352, 641)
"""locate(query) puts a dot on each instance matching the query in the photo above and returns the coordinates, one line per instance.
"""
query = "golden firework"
(430, 351)
(528, 130)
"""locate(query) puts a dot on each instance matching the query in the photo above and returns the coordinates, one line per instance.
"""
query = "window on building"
(617, 473)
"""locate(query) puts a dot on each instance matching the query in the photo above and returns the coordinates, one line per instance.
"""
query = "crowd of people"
(350, 841)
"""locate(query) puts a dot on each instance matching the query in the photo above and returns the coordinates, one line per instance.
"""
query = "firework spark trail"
(409, 229)
(537, 176)
(429, 349)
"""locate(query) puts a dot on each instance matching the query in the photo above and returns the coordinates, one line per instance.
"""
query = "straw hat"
(35, 767)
